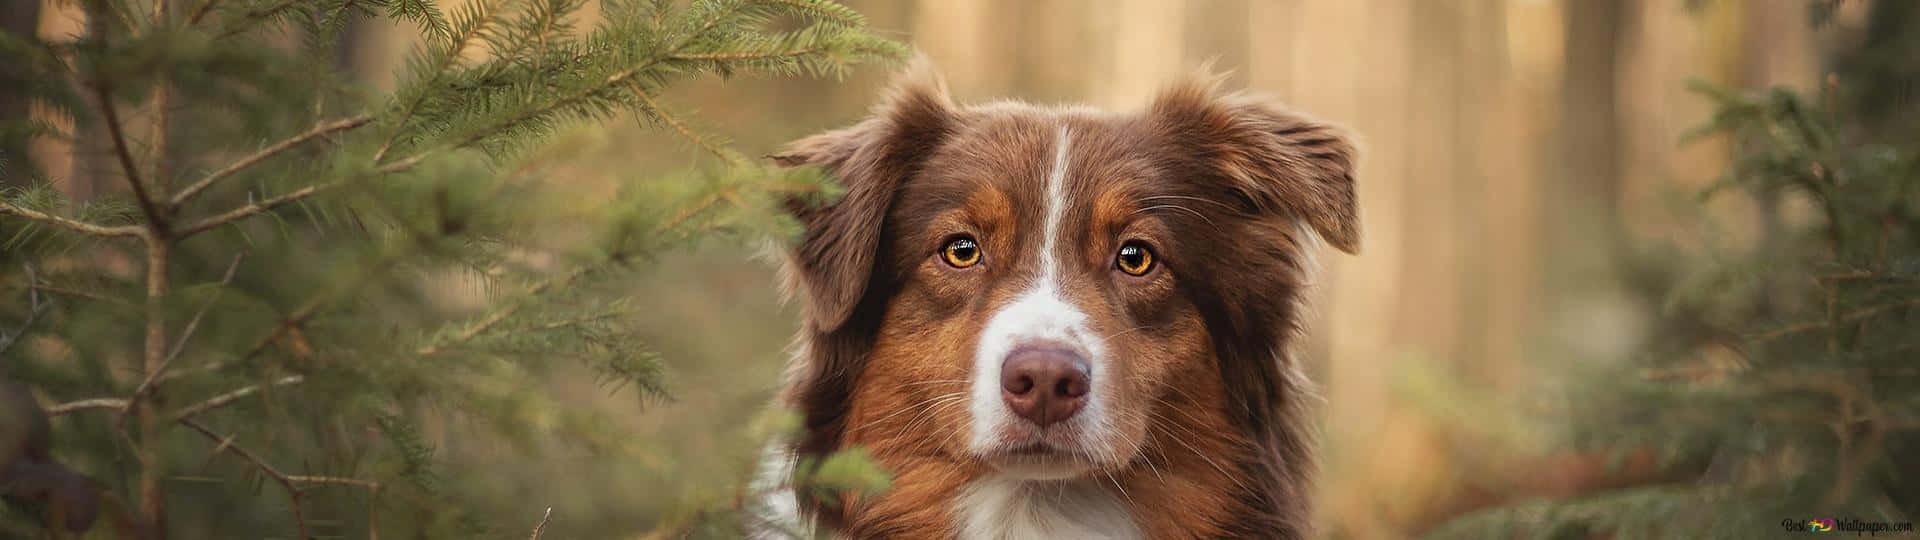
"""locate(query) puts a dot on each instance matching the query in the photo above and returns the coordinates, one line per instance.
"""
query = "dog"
(1060, 322)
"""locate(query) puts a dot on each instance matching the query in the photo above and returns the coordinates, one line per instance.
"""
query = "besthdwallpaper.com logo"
(1855, 526)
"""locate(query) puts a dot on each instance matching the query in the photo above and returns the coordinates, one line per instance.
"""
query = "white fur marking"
(1042, 313)
(779, 507)
(1038, 315)
(998, 507)
(1004, 505)
(1056, 198)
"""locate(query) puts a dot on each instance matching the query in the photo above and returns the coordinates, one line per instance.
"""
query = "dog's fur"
(1197, 421)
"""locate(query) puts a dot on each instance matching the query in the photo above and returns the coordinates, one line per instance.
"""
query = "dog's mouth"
(1036, 450)
(1041, 460)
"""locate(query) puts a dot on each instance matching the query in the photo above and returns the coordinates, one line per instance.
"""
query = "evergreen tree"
(249, 341)
(1781, 385)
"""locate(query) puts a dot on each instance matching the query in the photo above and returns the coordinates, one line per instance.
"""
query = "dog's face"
(1047, 293)
(1039, 261)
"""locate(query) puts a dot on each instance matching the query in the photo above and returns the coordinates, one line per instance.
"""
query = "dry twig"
(95, 403)
(543, 524)
(228, 398)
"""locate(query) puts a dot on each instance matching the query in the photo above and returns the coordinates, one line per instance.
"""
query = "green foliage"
(1781, 383)
(850, 471)
(352, 279)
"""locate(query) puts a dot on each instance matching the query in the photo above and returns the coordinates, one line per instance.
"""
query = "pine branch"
(293, 488)
(317, 131)
(618, 78)
(147, 385)
(1838, 320)
(1866, 275)
(255, 208)
(747, 55)
(95, 403)
(577, 321)
(709, 24)
(725, 194)
(335, 480)
(629, 76)
(63, 291)
(291, 324)
(290, 482)
(486, 324)
(111, 115)
(373, 494)
(839, 14)
(226, 444)
(35, 309)
(481, 18)
(287, 326)
(402, 165)
(263, 206)
(681, 128)
(254, 16)
(71, 224)
(228, 398)
(200, 12)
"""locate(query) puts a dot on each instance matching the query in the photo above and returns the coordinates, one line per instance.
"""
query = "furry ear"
(835, 258)
(1277, 160)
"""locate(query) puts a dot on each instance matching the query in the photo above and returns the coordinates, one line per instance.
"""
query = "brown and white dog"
(1058, 322)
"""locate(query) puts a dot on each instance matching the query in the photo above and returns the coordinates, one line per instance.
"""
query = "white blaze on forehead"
(1040, 314)
(1056, 202)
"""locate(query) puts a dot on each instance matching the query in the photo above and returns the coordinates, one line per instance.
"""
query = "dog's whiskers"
(921, 403)
(934, 381)
(1103, 339)
(1204, 457)
(1123, 491)
(1114, 453)
(927, 413)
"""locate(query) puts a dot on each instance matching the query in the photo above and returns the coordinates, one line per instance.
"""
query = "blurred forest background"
(1510, 149)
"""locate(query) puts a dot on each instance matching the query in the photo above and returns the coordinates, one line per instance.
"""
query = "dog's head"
(1041, 292)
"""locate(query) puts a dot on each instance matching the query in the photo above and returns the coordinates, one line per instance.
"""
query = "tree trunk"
(1589, 101)
(18, 17)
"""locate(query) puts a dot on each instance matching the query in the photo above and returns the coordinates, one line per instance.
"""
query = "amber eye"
(1134, 259)
(961, 252)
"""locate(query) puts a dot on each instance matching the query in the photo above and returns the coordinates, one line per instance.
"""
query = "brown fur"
(1211, 431)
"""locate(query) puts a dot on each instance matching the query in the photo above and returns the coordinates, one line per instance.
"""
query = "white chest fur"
(990, 508)
(996, 508)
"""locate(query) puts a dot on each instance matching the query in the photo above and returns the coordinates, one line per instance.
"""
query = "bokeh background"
(1509, 148)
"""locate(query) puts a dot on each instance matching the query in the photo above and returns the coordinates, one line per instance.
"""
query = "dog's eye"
(1134, 259)
(961, 252)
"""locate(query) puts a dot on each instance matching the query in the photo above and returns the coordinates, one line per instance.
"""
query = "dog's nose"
(1044, 384)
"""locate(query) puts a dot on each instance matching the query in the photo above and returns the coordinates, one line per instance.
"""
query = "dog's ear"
(835, 258)
(1275, 160)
